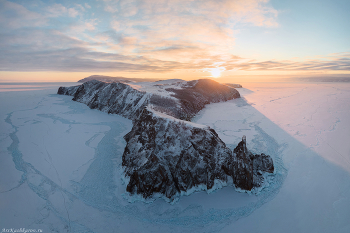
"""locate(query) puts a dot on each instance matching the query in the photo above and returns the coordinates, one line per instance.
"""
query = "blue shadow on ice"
(100, 188)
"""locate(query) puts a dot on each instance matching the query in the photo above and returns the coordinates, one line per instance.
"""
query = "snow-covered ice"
(159, 87)
(60, 167)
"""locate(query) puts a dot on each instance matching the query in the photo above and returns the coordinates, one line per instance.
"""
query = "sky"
(66, 40)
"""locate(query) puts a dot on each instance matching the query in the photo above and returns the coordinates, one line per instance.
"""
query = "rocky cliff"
(117, 98)
(166, 154)
(169, 156)
(183, 99)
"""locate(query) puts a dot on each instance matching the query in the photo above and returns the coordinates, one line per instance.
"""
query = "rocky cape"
(166, 154)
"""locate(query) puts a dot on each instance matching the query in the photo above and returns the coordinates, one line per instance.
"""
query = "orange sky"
(234, 77)
(70, 40)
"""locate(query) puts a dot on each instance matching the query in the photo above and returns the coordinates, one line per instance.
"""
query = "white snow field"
(60, 164)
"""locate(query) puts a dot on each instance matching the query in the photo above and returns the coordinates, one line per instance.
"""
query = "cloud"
(332, 62)
(90, 24)
(186, 33)
(73, 12)
(80, 7)
(58, 10)
(13, 16)
(138, 36)
(76, 59)
(51, 61)
(51, 50)
(257, 12)
(197, 29)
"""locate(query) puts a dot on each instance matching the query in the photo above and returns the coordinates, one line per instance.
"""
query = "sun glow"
(216, 72)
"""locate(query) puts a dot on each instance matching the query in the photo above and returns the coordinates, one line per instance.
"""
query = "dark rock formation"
(119, 98)
(67, 90)
(166, 155)
(246, 168)
(199, 93)
(170, 156)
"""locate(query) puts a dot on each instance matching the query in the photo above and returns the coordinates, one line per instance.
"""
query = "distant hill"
(324, 79)
(234, 85)
(109, 79)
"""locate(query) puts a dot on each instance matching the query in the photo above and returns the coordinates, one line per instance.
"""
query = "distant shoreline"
(323, 79)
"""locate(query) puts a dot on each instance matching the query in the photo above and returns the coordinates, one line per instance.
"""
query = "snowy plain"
(60, 168)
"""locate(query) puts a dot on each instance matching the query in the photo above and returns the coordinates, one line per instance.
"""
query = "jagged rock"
(169, 156)
(67, 90)
(199, 93)
(246, 168)
(166, 155)
(117, 98)
(120, 98)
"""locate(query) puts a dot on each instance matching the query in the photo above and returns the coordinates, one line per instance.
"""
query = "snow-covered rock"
(117, 98)
(177, 98)
(109, 79)
(246, 168)
(166, 154)
(196, 94)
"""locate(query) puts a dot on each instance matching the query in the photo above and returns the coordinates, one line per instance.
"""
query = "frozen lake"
(60, 168)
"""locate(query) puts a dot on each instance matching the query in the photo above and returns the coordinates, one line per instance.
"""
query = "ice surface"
(60, 167)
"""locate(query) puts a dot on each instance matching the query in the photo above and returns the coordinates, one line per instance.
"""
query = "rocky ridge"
(109, 79)
(166, 154)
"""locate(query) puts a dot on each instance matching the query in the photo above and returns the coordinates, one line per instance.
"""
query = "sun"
(215, 72)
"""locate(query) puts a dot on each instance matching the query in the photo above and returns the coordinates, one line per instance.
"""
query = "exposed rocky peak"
(116, 97)
(67, 90)
(165, 154)
(120, 98)
(168, 156)
(196, 94)
(246, 168)
(171, 155)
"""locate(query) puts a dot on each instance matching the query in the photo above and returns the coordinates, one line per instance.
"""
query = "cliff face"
(117, 98)
(246, 168)
(196, 94)
(166, 155)
(169, 156)
(188, 98)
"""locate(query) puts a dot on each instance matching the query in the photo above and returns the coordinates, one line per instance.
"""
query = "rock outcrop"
(246, 168)
(169, 156)
(116, 98)
(166, 154)
(188, 98)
